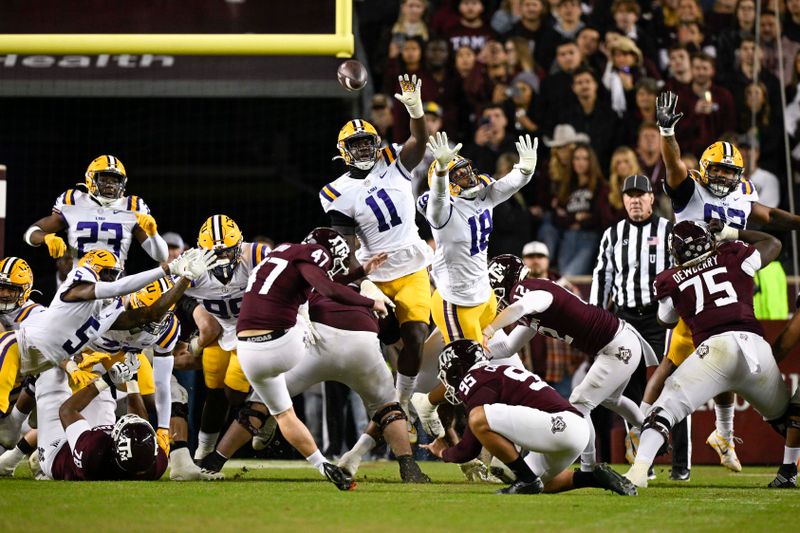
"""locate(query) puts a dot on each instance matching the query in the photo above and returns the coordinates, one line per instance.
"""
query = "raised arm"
(439, 209)
(667, 117)
(411, 97)
(132, 318)
(146, 232)
(774, 218)
(533, 302)
(503, 189)
(768, 247)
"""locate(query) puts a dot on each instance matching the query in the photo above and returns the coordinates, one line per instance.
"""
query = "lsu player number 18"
(717, 191)
(374, 200)
(101, 217)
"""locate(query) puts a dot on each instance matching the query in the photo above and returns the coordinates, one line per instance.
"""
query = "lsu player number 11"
(100, 218)
(717, 192)
(374, 200)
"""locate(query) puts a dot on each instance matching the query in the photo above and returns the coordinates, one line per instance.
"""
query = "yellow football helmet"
(458, 168)
(364, 155)
(721, 155)
(220, 234)
(103, 263)
(106, 179)
(147, 296)
(15, 274)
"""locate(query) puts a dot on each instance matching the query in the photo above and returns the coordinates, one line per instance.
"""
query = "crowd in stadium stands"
(584, 76)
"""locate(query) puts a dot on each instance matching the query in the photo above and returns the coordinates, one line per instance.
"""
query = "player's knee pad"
(245, 413)
(388, 414)
(180, 410)
(656, 420)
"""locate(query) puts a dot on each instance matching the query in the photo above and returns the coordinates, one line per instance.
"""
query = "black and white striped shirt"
(631, 255)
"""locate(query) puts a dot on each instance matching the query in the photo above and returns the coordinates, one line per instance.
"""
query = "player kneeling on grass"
(711, 288)
(508, 407)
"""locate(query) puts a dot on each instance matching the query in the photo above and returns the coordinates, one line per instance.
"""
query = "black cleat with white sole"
(786, 478)
(410, 471)
(607, 478)
(522, 487)
(338, 477)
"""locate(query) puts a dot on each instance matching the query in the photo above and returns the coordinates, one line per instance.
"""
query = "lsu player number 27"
(100, 218)
(374, 200)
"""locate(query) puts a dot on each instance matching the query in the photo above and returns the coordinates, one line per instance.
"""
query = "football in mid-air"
(352, 75)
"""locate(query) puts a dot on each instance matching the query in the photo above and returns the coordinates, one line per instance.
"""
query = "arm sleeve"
(503, 189)
(439, 208)
(603, 276)
(75, 430)
(128, 284)
(317, 278)
(666, 311)
(342, 223)
(468, 448)
(752, 263)
(156, 247)
(532, 302)
(162, 371)
(502, 345)
(681, 195)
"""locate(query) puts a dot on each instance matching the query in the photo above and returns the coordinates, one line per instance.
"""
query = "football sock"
(644, 407)
(18, 416)
(521, 470)
(15, 455)
(790, 455)
(206, 442)
(214, 461)
(588, 456)
(25, 447)
(405, 387)
(649, 445)
(581, 479)
(724, 420)
(317, 459)
(364, 444)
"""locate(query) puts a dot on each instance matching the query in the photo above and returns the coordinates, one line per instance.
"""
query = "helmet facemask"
(454, 366)
(10, 296)
(231, 257)
(363, 150)
(719, 184)
(108, 186)
(110, 274)
(464, 180)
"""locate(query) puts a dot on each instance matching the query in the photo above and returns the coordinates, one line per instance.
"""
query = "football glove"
(119, 374)
(665, 113)
(78, 376)
(147, 223)
(313, 335)
(89, 361)
(371, 291)
(527, 154)
(411, 95)
(427, 414)
(440, 148)
(162, 437)
(55, 245)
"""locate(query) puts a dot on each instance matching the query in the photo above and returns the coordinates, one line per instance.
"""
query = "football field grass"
(290, 496)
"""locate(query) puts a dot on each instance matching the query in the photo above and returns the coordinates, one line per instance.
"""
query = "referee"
(632, 253)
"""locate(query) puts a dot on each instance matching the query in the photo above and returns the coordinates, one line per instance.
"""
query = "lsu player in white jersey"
(100, 218)
(459, 210)
(718, 191)
(220, 291)
(16, 400)
(374, 200)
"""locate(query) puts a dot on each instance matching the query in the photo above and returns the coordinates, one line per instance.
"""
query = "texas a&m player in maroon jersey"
(549, 309)
(508, 406)
(127, 450)
(270, 342)
(711, 288)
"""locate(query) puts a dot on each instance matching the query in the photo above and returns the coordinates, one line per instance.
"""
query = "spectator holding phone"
(491, 138)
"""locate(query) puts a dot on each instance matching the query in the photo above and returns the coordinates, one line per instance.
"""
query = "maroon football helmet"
(455, 361)
(504, 272)
(331, 240)
(135, 446)
(690, 242)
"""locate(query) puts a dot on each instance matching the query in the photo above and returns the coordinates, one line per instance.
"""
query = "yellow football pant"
(679, 343)
(221, 367)
(458, 322)
(411, 295)
(9, 369)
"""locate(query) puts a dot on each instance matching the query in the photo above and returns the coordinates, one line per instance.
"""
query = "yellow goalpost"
(339, 44)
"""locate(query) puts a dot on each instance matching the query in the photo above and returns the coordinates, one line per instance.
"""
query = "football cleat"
(181, 466)
(265, 435)
(726, 449)
(338, 477)
(521, 487)
(609, 479)
(211, 475)
(638, 474)
(9, 461)
(17, 278)
(651, 473)
(36, 467)
(632, 444)
(501, 471)
(680, 474)
(786, 478)
(410, 471)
